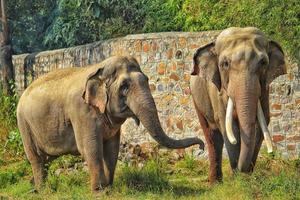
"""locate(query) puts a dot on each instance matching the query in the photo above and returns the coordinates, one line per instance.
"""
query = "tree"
(6, 53)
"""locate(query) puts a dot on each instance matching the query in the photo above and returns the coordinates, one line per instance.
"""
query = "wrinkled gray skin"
(240, 64)
(80, 111)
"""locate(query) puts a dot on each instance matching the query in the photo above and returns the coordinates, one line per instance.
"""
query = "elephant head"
(242, 63)
(120, 90)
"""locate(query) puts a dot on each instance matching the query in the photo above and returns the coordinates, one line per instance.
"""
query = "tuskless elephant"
(230, 89)
(81, 110)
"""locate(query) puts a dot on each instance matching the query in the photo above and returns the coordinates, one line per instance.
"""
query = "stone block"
(146, 47)
(182, 42)
(291, 147)
(294, 138)
(194, 46)
(276, 128)
(161, 68)
(179, 124)
(175, 77)
(152, 87)
(169, 54)
(278, 138)
(276, 106)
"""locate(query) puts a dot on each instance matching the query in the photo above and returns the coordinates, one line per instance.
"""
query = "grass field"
(157, 179)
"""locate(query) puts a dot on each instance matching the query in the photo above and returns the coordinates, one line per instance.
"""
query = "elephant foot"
(33, 191)
(98, 193)
(213, 182)
(215, 178)
(32, 181)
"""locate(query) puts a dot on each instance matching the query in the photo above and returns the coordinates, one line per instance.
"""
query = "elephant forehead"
(241, 43)
(237, 30)
(123, 76)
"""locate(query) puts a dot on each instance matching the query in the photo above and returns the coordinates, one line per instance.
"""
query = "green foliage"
(39, 25)
(280, 20)
(14, 144)
(8, 107)
(81, 21)
(28, 21)
(189, 162)
(10, 138)
(163, 16)
(65, 162)
(64, 181)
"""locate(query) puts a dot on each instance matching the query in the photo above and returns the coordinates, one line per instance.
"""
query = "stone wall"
(167, 60)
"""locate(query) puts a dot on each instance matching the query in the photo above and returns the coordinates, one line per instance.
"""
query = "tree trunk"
(6, 54)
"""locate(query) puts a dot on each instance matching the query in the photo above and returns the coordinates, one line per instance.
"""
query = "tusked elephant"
(81, 110)
(230, 89)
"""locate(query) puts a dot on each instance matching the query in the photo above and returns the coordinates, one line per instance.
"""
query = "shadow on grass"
(181, 190)
(152, 179)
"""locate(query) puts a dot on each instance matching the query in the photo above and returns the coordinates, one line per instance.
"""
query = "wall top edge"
(142, 36)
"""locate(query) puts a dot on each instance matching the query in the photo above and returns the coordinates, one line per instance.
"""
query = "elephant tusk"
(264, 127)
(228, 122)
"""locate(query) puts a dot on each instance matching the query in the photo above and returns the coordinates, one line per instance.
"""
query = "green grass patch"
(149, 178)
(273, 178)
(13, 173)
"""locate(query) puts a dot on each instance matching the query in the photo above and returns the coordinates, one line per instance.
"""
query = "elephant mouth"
(136, 120)
(126, 112)
(261, 121)
(124, 109)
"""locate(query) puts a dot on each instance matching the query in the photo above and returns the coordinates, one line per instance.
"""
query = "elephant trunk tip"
(201, 144)
(181, 143)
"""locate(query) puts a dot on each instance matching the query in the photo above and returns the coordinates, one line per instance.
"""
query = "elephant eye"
(225, 64)
(262, 62)
(124, 88)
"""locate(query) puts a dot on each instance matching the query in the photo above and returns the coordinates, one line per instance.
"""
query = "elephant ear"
(206, 64)
(95, 90)
(276, 62)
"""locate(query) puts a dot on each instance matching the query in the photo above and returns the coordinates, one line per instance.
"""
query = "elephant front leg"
(233, 150)
(93, 154)
(111, 152)
(215, 143)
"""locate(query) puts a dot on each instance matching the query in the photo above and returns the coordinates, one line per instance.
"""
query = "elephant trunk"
(246, 106)
(143, 106)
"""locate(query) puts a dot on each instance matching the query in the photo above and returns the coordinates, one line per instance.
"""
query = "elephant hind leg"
(34, 155)
(111, 152)
(214, 140)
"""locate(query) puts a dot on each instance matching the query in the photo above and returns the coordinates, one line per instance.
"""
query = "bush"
(65, 23)
(8, 107)
(280, 20)
(10, 138)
